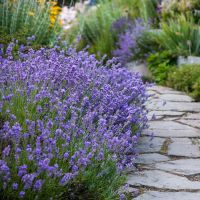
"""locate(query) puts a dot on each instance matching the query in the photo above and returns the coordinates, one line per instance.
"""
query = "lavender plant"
(127, 44)
(68, 124)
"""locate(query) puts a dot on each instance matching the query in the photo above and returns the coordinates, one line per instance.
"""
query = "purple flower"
(6, 151)
(15, 186)
(74, 168)
(22, 194)
(122, 197)
(66, 178)
(27, 179)
(38, 185)
(22, 170)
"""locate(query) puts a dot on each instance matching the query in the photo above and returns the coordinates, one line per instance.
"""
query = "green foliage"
(160, 64)
(147, 9)
(20, 37)
(29, 15)
(95, 27)
(180, 36)
(186, 78)
(196, 89)
(147, 44)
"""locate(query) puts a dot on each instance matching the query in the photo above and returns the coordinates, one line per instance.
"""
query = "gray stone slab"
(162, 180)
(154, 195)
(168, 125)
(184, 147)
(182, 166)
(174, 106)
(172, 129)
(152, 93)
(165, 90)
(151, 158)
(194, 133)
(176, 98)
(191, 122)
(146, 145)
(195, 116)
(166, 113)
(171, 118)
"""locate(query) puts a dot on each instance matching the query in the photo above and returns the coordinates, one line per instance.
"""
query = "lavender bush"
(67, 125)
(127, 42)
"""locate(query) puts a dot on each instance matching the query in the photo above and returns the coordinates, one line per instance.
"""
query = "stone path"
(168, 167)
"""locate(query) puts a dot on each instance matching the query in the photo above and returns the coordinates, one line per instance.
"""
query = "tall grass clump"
(68, 125)
(30, 16)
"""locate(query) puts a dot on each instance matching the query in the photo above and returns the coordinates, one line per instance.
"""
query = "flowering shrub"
(127, 43)
(67, 124)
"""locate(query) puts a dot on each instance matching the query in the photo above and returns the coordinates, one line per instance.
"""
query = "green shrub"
(186, 78)
(147, 44)
(160, 64)
(196, 89)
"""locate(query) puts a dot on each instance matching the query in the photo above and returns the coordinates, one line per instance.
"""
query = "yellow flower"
(31, 13)
(54, 12)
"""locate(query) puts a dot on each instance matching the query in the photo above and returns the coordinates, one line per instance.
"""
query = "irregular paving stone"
(146, 145)
(154, 195)
(195, 116)
(176, 98)
(193, 123)
(171, 119)
(184, 147)
(162, 180)
(127, 189)
(165, 113)
(165, 90)
(152, 93)
(183, 166)
(193, 133)
(168, 125)
(174, 106)
(151, 158)
(171, 129)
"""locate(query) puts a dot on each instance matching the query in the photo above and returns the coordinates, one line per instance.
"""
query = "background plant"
(95, 27)
(127, 45)
(186, 78)
(180, 36)
(160, 65)
(170, 9)
(36, 18)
